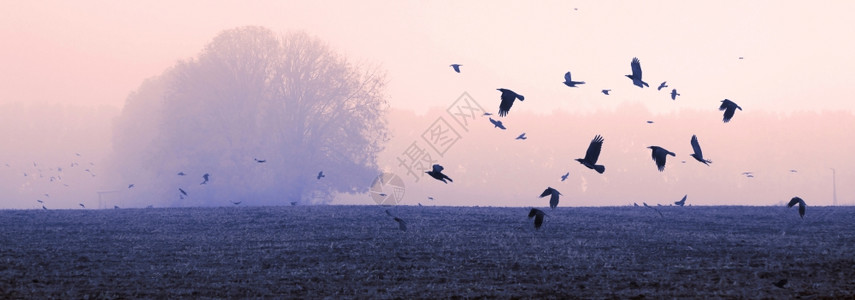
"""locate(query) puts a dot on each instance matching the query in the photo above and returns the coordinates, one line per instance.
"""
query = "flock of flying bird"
(182, 193)
(658, 154)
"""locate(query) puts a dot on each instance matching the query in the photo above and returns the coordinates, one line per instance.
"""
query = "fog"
(91, 83)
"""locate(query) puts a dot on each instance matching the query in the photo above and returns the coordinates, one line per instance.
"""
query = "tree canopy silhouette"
(251, 93)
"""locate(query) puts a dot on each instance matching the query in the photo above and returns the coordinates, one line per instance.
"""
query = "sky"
(796, 57)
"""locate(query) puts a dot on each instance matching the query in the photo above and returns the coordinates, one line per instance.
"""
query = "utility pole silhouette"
(834, 186)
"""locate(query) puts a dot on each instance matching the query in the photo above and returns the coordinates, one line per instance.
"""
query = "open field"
(459, 252)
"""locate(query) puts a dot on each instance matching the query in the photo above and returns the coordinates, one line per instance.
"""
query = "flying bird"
(40, 201)
(522, 136)
(321, 175)
(456, 67)
(430, 198)
(43, 207)
(729, 108)
(497, 123)
(794, 171)
(293, 203)
(659, 154)
(508, 97)
(205, 178)
(662, 86)
(698, 155)
(649, 122)
(674, 94)
(636, 73)
(401, 224)
(801, 203)
(606, 92)
(436, 173)
(115, 207)
(569, 82)
(564, 177)
(181, 174)
(182, 192)
(593, 154)
(538, 217)
(131, 185)
(682, 201)
(553, 196)
(261, 161)
(236, 202)
(81, 205)
(487, 114)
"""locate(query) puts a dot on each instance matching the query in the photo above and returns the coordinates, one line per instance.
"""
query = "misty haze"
(304, 150)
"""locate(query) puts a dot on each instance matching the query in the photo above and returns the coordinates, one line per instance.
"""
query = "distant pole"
(834, 185)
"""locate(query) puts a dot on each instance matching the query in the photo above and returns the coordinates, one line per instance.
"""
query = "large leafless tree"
(287, 99)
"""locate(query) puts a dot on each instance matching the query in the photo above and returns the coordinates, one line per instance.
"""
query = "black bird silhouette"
(801, 203)
(662, 85)
(261, 161)
(538, 217)
(236, 202)
(115, 207)
(40, 201)
(321, 175)
(522, 136)
(205, 178)
(456, 67)
(564, 177)
(682, 201)
(487, 114)
(794, 171)
(569, 82)
(181, 174)
(131, 185)
(653, 208)
(497, 123)
(649, 122)
(606, 91)
(401, 224)
(293, 203)
(659, 154)
(698, 155)
(430, 198)
(636, 73)
(593, 154)
(43, 207)
(783, 282)
(553, 199)
(508, 97)
(436, 173)
(729, 108)
(81, 205)
(182, 192)
(674, 94)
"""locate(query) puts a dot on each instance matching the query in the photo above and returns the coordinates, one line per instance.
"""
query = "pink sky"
(797, 56)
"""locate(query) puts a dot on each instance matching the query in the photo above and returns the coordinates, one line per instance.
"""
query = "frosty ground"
(466, 252)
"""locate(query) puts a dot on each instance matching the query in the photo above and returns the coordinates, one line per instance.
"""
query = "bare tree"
(289, 99)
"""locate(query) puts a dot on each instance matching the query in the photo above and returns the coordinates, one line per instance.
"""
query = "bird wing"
(725, 104)
(521, 136)
(794, 201)
(494, 122)
(567, 77)
(538, 220)
(728, 114)
(437, 168)
(546, 192)
(594, 150)
(696, 147)
(636, 68)
(533, 212)
(659, 156)
(505, 105)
